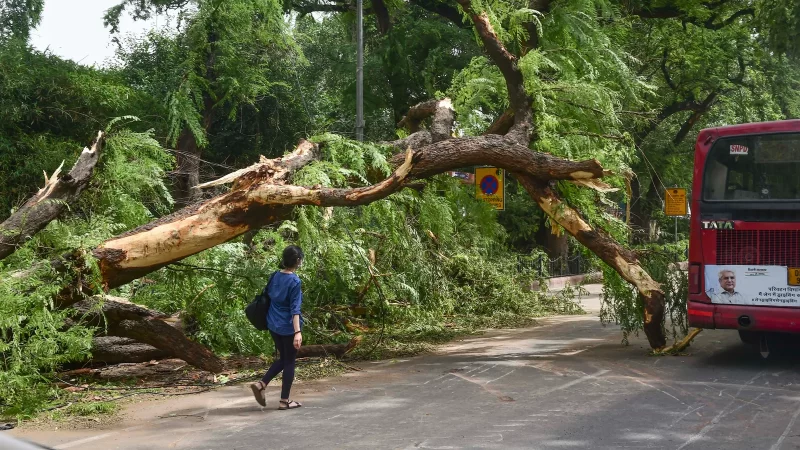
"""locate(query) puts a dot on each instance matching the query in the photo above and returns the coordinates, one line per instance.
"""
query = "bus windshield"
(753, 168)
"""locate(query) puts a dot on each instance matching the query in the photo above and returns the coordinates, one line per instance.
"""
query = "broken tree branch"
(610, 251)
(680, 345)
(501, 152)
(196, 228)
(274, 170)
(51, 200)
(441, 126)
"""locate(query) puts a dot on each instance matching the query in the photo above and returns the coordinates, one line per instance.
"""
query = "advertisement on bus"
(751, 285)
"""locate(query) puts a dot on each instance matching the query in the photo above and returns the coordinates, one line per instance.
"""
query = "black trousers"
(286, 362)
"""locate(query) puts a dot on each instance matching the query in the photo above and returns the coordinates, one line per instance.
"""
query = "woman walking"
(284, 322)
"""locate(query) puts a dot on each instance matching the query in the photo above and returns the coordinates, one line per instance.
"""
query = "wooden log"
(122, 318)
(116, 350)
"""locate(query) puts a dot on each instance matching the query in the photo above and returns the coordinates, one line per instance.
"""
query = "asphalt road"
(567, 383)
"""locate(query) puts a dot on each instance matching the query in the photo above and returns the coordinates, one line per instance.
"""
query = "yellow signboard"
(490, 186)
(675, 202)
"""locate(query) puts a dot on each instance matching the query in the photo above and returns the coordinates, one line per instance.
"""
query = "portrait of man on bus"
(728, 294)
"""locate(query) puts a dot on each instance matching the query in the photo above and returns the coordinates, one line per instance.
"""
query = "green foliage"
(417, 58)
(18, 18)
(218, 64)
(33, 343)
(91, 408)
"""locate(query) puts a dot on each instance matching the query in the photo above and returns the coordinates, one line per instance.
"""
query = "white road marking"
(501, 376)
(573, 382)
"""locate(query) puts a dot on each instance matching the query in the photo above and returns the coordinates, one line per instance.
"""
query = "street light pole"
(360, 72)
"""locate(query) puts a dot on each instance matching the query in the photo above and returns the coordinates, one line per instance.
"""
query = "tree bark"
(116, 350)
(187, 170)
(58, 193)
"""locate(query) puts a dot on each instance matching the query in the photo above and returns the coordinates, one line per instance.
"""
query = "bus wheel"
(750, 337)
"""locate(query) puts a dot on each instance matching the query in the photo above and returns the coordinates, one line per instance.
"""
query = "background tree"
(18, 18)
(219, 63)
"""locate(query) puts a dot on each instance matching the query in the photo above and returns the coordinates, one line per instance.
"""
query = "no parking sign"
(490, 186)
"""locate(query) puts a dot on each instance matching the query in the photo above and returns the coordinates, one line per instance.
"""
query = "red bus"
(744, 239)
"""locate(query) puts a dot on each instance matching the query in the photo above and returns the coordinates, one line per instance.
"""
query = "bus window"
(753, 168)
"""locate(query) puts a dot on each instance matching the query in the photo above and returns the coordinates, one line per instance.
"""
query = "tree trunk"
(187, 170)
(164, 337)
(58, 193)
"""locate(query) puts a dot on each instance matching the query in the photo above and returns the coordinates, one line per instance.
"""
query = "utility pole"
(360, 72)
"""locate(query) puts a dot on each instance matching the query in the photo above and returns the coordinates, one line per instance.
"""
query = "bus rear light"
(694, 278)
(700, 312)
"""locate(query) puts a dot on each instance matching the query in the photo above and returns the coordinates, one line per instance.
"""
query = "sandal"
(258, 392)
(291, 404)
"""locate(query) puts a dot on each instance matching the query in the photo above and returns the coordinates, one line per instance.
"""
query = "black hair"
(291, 257)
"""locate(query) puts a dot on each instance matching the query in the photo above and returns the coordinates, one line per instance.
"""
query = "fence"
(558, 267)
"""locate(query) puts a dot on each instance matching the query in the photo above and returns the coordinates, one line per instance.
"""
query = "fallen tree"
(262, 194)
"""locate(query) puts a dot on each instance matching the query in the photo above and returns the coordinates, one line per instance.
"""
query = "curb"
(560, 282)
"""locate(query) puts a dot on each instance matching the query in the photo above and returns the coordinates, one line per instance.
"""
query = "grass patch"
(89, 409)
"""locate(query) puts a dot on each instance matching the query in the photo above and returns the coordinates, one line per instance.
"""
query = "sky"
(73, 29)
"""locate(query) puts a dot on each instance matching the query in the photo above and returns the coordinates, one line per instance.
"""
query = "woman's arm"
(298, 336)
(296, 300)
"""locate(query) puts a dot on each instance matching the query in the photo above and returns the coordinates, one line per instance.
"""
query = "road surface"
(567, 383)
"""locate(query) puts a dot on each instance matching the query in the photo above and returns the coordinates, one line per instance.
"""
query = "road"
(567, 383)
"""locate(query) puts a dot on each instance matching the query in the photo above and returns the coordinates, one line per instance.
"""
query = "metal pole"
(676, 229)
(360, 73)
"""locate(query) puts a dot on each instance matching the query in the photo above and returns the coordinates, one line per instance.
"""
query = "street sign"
(675, 202)
(490, 186)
